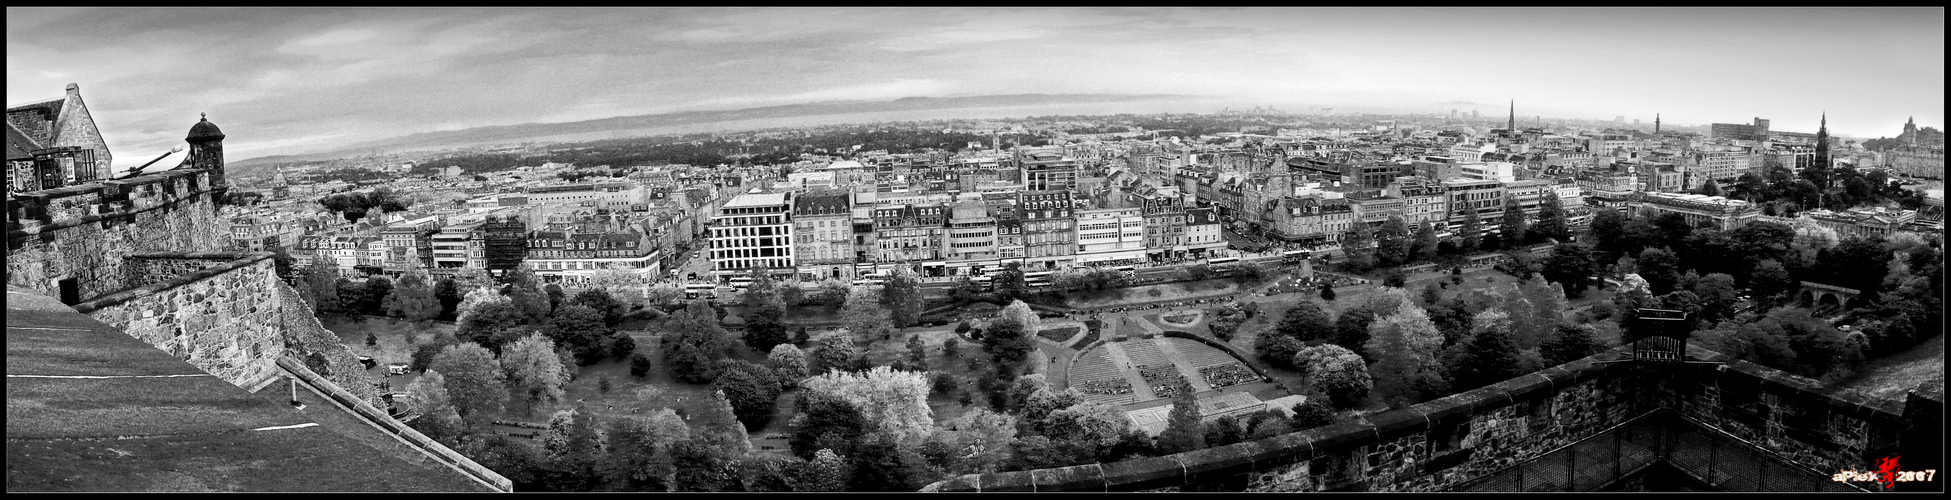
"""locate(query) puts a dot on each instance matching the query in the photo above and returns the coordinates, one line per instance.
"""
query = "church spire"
(1656, 124)
(1511, 123)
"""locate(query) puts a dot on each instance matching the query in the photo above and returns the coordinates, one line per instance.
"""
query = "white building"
(1110, 236)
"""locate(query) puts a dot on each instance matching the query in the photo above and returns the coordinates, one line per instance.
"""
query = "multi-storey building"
(1372, 208)
(1658, 177)
(1721, 167)
(1110, 236)
(1009, 226)
(1203, 232)
(571, 256)
(1723, 213)
(1495, 171)
(1529, 195)
(598, 194)
(971, 244)
(1916, 161)
(1482, 197)
(1165, 223)
(1047, 171)
(1312, 219)
(823, 235)
(911, 235)
(452, 245)
(1423, 201)
(752, 231)
(1049, 229)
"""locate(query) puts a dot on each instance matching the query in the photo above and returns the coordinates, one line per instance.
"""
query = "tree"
(1312, 413)
(474, 300)
(620, 283)
(555, 294)
(1571, 266)
(1551, 218)
(640, 449)
(1359, 245)
(413, 299)
(1404, 344)
(1488, 356)
(884, 464)
(525, 290)
(825, 421)
(1432, 293)
(602, 302)
(1717, 295)
(639, 365)
(1183, 429)
(1472, 232)
(1007, 340)
(1514, 231)
(965, 290)
(1393, 245)
(473, 379)
(902, 296)
(449, 296)
(1769, 281)
(1307, 322)
(372, 298)
(581, 330)
(428, 396)
(352, 297)
(917, 353)
(836, 352)
(1426, 243)
(864, 315)
(1395, 279)
(825, 472)
(983, 438)
(532, 366)
(574, 448)
(894, 402)
(751, 389)
(1327, 292)
(1569, 343)
(832, 292)
(1336, 371)
(1608, 230)
(1660, 268)
(788, 363)
(1709, 188)
(1009, 283)
(1020, 313)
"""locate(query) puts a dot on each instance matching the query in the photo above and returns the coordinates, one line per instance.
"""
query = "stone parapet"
(1441, 444)
(84, 235)
(222, 318)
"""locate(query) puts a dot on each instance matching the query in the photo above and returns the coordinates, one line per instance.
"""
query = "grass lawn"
(1888, 378)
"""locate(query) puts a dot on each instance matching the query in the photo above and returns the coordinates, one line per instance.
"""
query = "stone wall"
(89, 232)
(152, 268)
(1449, 442)
(223, 319)
(305, 335)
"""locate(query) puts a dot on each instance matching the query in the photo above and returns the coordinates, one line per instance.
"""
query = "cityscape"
(406, 278)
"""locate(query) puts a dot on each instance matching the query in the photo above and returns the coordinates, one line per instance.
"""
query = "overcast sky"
(287, 80)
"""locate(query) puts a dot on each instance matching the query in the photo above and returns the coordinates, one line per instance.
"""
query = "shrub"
(639, 365)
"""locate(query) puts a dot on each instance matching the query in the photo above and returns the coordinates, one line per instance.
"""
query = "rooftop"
(749, 200)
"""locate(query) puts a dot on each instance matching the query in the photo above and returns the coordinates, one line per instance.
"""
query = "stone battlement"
(1442, 444)
(76, 243)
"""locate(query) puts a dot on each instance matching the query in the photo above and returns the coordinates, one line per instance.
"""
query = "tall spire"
(1656, 123)
(1511, 123)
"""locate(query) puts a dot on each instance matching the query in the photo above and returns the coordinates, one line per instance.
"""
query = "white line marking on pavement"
(283, 427)
(110, 376)
(11, 327)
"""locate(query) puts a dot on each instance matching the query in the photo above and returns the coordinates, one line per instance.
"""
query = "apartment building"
(823, 235)
(1110, 236)
(752, 231)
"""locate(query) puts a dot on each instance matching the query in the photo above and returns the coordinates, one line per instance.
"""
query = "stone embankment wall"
(89, 232)
(1441, 444)
(223, 318)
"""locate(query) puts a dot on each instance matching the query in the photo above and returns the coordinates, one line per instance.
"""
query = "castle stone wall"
(223, 319)
(89, 232)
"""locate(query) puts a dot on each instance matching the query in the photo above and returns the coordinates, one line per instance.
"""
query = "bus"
(1037, 278)
(1294, 256)
(1221, 261)
(695, 290)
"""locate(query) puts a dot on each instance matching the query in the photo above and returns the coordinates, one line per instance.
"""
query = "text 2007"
(1916, 475)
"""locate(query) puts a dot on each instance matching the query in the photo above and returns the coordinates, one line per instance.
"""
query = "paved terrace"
(90, 408)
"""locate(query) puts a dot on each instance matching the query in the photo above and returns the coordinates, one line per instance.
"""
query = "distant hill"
(606, 127)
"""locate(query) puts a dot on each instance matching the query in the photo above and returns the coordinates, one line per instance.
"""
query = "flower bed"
(1163, 379)
(1181, 318)
(1227, 375)
(1105, 387)
(1087, 340)
(1057, 334)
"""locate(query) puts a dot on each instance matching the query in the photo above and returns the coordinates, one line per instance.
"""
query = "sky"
(296, 80)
